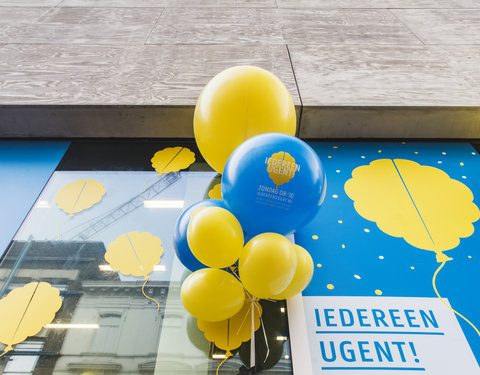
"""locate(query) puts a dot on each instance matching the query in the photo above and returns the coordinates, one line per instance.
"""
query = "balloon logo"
(26, 310)
(172, 159)
(247, 184)
(281, 168)
(79, 195)
(135, 254)
(422, 204)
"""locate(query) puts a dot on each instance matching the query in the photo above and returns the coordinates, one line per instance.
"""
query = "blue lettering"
(351, 353)
(395, 318)
(342, 317)
(383, 351)
(430, 318)
(410, 319)
(329, 317)
(333, 356)
(364, 351)
(361, 318)
(379, 316)
(317, 317)
(399, 345)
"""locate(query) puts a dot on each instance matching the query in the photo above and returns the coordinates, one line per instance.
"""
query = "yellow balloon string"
(441, 299)
(146, 182)
(60, 227)
(227, 356)
(150, 298)
(6, 350)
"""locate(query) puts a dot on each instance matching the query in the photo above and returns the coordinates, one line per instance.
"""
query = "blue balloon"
(182, 249)
(273, 183)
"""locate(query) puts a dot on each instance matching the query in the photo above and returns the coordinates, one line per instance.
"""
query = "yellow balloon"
(212, 295)
(267, 264)
(302, 277)
(237, 104)
(215, 236)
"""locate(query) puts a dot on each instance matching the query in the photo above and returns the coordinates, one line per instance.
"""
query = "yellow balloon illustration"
(79, 195)
(231, 333)
(281, 168)
(215, 192)
(172, 159)
(136, 254)
(26, 310)
(420, 203)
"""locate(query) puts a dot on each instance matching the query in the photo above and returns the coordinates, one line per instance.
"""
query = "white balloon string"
(264, 334)
(238, 278)
(243, 321)
(252, 342)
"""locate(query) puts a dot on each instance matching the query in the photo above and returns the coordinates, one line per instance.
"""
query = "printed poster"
(395, 245)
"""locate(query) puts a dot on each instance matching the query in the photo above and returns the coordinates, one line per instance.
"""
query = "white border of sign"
(299, 344)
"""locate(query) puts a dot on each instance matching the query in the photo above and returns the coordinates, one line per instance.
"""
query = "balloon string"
(4, 352)
(238, 278)
(252, 339)
(150, 298)
(227, 356)
(264, 334)
(243, 321)
(441, 299)
(146, 182)
(60, 227)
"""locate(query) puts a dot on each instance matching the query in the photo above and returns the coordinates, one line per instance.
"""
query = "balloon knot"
(441, 257)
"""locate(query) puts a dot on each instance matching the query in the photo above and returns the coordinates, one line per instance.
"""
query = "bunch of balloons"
(272, 183)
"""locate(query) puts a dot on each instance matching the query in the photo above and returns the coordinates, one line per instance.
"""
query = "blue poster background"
(353, 257)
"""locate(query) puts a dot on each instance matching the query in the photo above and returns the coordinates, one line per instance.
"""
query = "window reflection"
(109, 327)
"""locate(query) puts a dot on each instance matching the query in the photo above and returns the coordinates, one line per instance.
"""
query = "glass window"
(105, 325)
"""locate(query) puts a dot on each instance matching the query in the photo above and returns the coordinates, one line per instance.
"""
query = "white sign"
(377, 335)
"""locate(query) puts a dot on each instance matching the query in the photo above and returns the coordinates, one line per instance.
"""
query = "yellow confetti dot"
(470, 257)
(335, 146)
(403, 143)
(343, 246)
(461, 163)
(330, 286)
(416, 152)
(329, 156)
(315, 237)
(319, 265)
(412, 268)
(378, 292)
(379, 151)
(340, 221)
